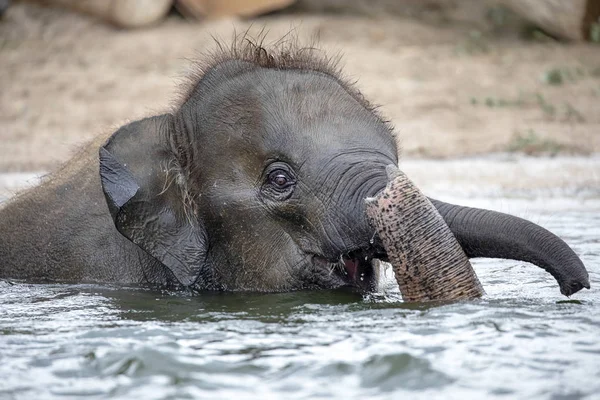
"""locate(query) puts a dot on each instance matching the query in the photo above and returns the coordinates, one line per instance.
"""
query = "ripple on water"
(402, 370)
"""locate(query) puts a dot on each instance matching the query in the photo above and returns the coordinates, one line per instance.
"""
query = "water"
(522, 340)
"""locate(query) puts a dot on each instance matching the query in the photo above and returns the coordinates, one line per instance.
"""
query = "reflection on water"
(522, 340)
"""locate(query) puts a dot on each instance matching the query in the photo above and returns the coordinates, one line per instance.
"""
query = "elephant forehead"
(285, 100)
(302, 117)
(307, 114)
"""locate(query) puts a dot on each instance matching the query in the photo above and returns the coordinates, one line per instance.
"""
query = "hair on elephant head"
(257, 180)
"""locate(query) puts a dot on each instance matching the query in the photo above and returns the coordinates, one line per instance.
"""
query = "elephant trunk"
(428, 262)
(484, 233)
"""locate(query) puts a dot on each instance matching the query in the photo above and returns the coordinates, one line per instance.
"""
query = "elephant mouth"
(354, 268)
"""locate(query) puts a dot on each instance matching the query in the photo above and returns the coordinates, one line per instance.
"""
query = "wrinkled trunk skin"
(428, 262)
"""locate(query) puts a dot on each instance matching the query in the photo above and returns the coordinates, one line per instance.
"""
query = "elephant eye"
(280, 179)
(279, 182)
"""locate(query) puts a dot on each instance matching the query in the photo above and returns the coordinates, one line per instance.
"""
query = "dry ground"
(449, 90)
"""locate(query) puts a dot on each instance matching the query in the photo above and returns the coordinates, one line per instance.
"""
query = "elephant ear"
(146, 204)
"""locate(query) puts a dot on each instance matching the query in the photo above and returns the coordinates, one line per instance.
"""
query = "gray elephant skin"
(254, 181)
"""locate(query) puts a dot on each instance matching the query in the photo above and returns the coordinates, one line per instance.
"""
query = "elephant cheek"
(428, 262)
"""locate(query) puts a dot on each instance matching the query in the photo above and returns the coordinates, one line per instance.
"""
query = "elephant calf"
(255, 181)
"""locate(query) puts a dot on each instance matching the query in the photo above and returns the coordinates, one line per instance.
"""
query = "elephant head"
(257, 181)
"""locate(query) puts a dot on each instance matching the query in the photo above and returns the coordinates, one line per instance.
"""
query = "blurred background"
(471, 82)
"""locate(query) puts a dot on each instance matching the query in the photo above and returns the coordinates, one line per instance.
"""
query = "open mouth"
(354, 268)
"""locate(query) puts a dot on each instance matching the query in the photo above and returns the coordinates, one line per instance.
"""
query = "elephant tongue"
(351, 267)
